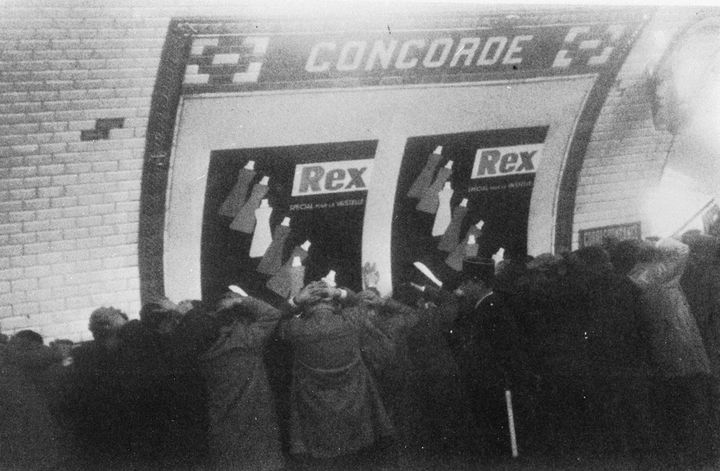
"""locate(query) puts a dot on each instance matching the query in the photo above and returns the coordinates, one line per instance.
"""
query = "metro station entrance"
(308, 139)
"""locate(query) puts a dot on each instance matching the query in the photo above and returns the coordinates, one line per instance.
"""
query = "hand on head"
(370, 275)
(314, 292)
(370, 297)
(166, 304)
(185, 306)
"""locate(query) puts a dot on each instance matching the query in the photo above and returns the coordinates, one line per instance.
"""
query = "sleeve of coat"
(349, 298)
(671, 264)
(397, 308)
(674, 257)
(266, 317)
(402, 318)
(447, 311)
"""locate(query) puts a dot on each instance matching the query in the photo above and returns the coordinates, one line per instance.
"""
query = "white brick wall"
(69, 208)
(626, 154)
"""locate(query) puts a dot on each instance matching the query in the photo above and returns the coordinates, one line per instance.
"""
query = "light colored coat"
(675, 342)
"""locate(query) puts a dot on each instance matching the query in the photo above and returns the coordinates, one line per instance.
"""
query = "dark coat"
(701, 285)
(145, 375)
(616, 339)
(243, 427)
(433, 405)
(94, 402)
(335, 404)
(559, 328)
(30, 437)
(419, 380)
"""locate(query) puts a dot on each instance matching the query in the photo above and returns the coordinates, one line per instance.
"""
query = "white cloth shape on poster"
(238, 195)
(443, 216)
(238, 290)
(424, 180)
(280, 281)
(471, 248)
(296, 277)
(262, 236)
(498, 256)
(272, 259)
(457, 256)
(245, 219)
(329, 279)
(451, 238)
(431, 199)
(429, 274)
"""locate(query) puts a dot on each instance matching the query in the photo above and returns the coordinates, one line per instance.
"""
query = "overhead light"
(680, 84)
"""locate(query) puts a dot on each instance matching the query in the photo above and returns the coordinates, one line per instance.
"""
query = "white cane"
(511, 423)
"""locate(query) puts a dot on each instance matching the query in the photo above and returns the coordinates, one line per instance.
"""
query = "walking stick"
(511, 423)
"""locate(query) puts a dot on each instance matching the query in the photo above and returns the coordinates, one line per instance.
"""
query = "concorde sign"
(302, 60)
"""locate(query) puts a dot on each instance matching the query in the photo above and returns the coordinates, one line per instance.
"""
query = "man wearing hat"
(488, 348)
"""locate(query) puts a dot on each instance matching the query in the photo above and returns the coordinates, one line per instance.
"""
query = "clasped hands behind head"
(315, 292)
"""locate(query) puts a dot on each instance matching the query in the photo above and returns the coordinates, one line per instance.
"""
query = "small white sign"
(331, 177)
(503, 161)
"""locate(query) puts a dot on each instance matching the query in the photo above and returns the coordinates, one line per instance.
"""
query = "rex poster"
(263, 205)
(448, 184)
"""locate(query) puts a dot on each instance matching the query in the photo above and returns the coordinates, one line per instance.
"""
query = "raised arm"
(670, 264)
(265, 316)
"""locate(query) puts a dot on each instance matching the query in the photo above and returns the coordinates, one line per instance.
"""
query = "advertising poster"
(264, 206)
(448, 184)
(217, 66)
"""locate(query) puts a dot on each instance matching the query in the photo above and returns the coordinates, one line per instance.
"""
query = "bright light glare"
(704, 116)
(670, 205)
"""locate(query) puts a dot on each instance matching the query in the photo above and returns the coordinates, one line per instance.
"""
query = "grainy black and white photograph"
(420, 235)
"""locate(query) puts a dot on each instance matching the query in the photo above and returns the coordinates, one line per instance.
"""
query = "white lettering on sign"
(313, 63)
(582, 46)
(331, 177)
(413, 53)
(504, 161)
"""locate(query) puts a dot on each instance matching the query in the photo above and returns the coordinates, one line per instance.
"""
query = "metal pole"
(511, 423)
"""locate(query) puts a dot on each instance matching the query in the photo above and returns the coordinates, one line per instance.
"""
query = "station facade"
(132, 137)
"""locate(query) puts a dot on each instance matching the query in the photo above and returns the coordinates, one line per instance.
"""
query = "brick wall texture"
(626, 154)
(69, 208)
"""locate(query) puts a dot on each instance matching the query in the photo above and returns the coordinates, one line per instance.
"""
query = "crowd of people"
(607, 350)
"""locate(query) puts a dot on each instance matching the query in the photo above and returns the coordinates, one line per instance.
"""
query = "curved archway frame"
(183, 33)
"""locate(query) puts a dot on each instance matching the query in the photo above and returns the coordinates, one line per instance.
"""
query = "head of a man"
(545, 272)
(27, 338)
(159, 318)
(592, 260)
(105, 324)
(63, 347)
